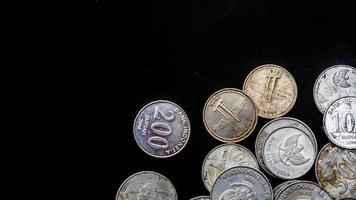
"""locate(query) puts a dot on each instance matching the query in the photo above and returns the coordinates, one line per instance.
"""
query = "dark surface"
(183, 51)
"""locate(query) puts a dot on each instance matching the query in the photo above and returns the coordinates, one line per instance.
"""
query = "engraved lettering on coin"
(303, 190)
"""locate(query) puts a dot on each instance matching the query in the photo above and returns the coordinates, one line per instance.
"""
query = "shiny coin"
(230, 115)
(241, 183)
(146, 185)
(335, 171)
(161, 129)
(303, 190)
(333, 83)
(224, 157)
(339, 122)
(281, 187)
(273, 89)
(201, 198)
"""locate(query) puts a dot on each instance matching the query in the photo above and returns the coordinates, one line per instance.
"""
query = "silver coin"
(146, 185)
(288, 153)
(339, 122)
(223, 157)
(303, 190)
(281, 186)
(161, 129)
(241, 182)
(335, 82)
(201, 198)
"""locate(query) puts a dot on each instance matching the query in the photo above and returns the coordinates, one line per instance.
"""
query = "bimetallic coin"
(201, 198)
(288, 153)
(273, 89)
(333, 83)
(303, 190)
(335, 171)
(339, 122)
(230, 115)
(161, 129)
(146, 185)
(241, 183)
(224, 157)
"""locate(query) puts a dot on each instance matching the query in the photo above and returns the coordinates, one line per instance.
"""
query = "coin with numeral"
(201, 198)
(161, 129)
(303, 190)
(273, 89)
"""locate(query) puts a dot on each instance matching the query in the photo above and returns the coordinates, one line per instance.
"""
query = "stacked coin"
(201, 198)
(301, 190)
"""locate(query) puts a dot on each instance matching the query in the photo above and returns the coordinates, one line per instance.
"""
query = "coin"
(224, 157)
(201, 198)
(273, 89)
(241, 182)
(146, 185)
(230, 115)
(281, 186)
(288, 153)
(339, 122)
(161, 129)
(303, 190)
(335, 171)
(333, 83)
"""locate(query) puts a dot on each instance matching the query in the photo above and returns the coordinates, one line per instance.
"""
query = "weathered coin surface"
(241, 183)
(333, 83)
(288, 153)
(224, 157)
(335, 171)
(303, 190)
(273, 89)
(281, 187)
(230, 115)
(161, 129)
(147, 185)
(201, 198)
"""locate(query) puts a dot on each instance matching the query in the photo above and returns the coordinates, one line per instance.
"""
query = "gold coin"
(273, 90)
(230, 115)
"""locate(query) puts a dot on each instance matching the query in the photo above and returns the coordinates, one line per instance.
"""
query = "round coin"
(273, 89)
(230, 115)
(161, 129)
(281, 187)
(303, 190)
(201, 198)
(146, 185)
(333, 83)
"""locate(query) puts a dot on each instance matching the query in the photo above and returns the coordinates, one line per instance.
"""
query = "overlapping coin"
(201, 198)
(282, 186)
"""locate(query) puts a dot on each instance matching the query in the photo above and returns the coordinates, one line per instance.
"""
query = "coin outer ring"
(316, 163)
(301, 182)
(247, 133)
(144, 172)
(138, 114)
(285, 71)
(200, 197)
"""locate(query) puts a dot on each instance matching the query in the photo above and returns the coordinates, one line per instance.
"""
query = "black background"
(183, 51)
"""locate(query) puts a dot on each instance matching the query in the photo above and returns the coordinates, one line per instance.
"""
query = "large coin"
(201, 198)
(146, 185)
(303, 190)
(161, 129)
(230, 115)
(335, 171)
(241, 183)
(273, 89)
(224, 157)
(339, 122)
(335, 82)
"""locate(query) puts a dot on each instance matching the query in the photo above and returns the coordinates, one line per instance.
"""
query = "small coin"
(333, 83)
(146, 185)
(273, 89)
(230, 115)
(241, 182)
(201, 198)
(303, 190)
(339, 122)
(224, 157)
(161, 129)
(335, 171)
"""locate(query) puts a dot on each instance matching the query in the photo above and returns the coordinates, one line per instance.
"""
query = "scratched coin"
(333, 83)
(339, 122)
(303, 190)
(230, 115)
(161, 129)
(224, 157)
(288, 153)
(201, 198)
(146, 185)
(273, 89)
(241, 183)
(335, 171)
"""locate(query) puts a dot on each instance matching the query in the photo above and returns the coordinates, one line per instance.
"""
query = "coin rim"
(198, 197)
(302, 182)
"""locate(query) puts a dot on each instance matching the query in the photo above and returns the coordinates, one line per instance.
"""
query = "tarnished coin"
(303, 190)
(288, 153)
(224, 157)
(161, 129)
(333, 83)
(241, 183)
(201, 198)
(146, 185)
(230, 115)
(339, 122)
(273, 89)
(335, 171)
